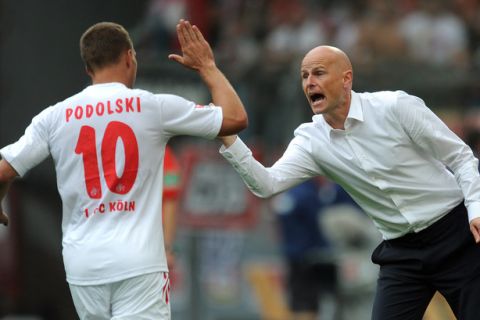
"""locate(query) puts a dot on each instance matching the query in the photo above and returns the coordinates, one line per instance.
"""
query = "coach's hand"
(196, 52)
(227, 141)
(3, 218)
(475, 229)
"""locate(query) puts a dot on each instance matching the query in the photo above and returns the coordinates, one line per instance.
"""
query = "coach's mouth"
(316, 98)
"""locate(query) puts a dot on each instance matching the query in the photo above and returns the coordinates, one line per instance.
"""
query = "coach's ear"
(348, 79)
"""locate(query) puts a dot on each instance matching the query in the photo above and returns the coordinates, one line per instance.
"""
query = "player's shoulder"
(56, 109)
(69, 101)
(161, 98)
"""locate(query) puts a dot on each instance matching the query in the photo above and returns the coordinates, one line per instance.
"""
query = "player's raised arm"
(197, 55)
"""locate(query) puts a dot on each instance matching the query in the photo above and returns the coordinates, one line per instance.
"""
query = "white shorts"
(143, 297)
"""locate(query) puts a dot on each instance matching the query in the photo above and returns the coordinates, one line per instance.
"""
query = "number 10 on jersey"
(87, 147)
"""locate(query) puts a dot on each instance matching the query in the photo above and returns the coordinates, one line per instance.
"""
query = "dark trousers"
(443, 257)
(307, 282)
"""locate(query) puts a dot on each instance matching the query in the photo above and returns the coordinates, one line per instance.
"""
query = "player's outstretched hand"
(196, 52)
(475, 229)
(3, 218)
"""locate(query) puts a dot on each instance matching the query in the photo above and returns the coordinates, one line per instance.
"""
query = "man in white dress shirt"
(414, 177)
(108, 144)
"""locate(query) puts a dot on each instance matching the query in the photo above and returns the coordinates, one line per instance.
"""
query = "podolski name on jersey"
(103, 108)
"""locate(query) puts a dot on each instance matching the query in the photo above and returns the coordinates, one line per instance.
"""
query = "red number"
(86, 145)
(118, 130)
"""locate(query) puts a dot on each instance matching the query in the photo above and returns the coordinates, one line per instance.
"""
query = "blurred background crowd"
(429, 48)
(233, 252)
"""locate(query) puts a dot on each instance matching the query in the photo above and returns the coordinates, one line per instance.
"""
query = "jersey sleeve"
(172, 178)
(184, 117)
(32, 148)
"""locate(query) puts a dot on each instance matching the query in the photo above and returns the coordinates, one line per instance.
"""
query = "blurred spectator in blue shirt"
(309, 254)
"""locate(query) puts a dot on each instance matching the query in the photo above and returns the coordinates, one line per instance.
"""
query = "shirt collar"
(355, 112)
(107, 84)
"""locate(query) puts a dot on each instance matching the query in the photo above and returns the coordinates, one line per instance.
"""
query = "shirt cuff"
(16, 164)
(218, 122)
(473, 211)
(235, 151)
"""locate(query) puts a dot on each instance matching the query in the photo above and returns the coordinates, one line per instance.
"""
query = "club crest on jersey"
(93, 192)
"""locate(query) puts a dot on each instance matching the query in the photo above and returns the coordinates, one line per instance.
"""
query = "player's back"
(107, 143)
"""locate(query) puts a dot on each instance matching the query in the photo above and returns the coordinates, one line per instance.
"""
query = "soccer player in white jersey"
(107, 143)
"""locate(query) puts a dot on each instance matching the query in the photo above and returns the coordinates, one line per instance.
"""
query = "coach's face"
(326, 79)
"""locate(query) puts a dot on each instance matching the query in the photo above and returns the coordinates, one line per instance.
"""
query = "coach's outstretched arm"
(262, 181)
(7, 175)
(197, 55)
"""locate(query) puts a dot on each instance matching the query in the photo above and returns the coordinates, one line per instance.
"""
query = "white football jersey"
(108, 143)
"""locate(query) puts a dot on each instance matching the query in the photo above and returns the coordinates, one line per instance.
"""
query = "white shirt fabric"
(111, 235)
(396, 159)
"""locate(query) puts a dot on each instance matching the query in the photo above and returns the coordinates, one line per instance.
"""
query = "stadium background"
(229, 261)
